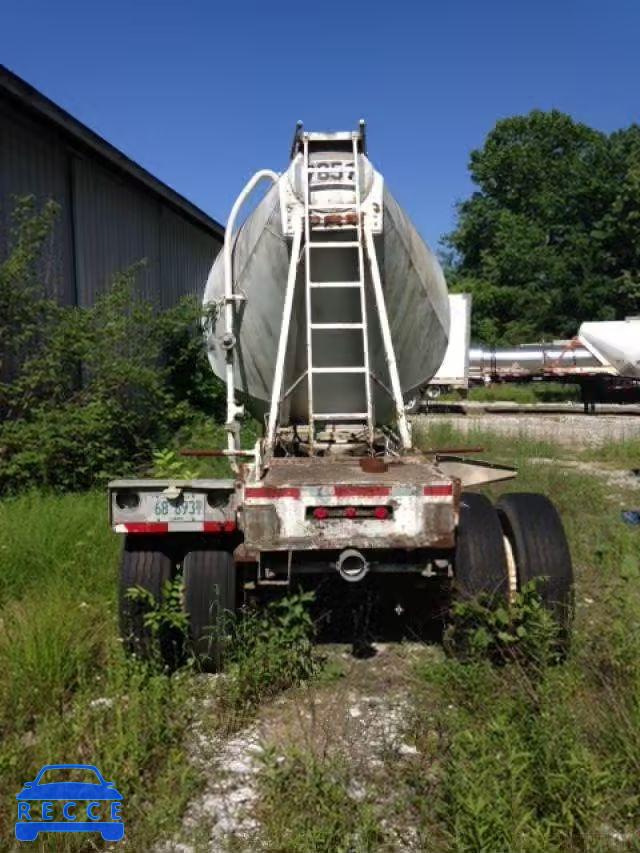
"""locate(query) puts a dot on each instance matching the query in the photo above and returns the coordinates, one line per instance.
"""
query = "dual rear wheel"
(502, 548)
(209, 591)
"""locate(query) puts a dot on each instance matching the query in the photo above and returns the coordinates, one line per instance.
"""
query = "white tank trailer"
(614, 342)
(413, 286)
(323, 311)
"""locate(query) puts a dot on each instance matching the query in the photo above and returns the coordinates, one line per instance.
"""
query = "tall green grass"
(526, 392)
(67, 691)
(70, 694)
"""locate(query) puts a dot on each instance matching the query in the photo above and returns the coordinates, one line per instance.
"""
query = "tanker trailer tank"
(337, 360)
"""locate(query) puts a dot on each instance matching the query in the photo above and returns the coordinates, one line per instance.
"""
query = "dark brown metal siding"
(107, 221)
(33, 162)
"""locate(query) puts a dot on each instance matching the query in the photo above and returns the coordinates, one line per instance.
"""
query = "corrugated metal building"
(113, 213)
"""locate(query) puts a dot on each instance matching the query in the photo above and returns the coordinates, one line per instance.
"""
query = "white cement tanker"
(334, 293)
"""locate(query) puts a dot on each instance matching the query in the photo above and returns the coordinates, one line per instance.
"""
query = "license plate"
(187, 507)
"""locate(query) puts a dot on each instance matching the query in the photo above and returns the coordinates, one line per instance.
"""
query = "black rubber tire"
(210, 590)
(146, 562)
(480, 563)
(540, 549)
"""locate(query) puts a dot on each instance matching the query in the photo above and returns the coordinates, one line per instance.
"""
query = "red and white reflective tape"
(438, 492)
(260, 492)
(156, 527)
(433, 492)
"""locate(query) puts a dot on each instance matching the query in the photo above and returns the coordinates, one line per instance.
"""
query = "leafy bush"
(88, 393)
(522, 630)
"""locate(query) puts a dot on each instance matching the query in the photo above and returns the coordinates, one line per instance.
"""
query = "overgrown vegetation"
(509, 746)
(521, 630)
(309, 802)
(68, 691)
(269, 651)
(90, 392)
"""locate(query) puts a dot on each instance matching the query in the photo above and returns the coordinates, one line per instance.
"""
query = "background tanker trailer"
(322, 313)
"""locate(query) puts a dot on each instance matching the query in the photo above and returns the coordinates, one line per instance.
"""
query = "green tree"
(550, 236)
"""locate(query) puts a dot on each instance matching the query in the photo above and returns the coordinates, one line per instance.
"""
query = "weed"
(310, 803)
(166, 621)
(269, 651)
(522, 630)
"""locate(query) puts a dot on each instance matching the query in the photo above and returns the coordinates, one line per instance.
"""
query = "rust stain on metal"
(373, 465)
(242, 554)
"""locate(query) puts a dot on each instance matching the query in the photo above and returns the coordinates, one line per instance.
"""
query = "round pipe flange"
(352, 565)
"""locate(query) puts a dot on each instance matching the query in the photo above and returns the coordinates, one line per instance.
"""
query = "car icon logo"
(89, 805)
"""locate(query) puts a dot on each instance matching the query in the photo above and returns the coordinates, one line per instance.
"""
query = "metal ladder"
(348, 417)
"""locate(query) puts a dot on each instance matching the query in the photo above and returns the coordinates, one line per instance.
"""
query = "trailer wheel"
(210, 592)
(480, 560)
(146, 563)
(533, 527)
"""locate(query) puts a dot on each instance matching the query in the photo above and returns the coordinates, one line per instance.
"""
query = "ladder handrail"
(389, 352)
(278, 379)
(233, 410)
(307, 291)
(363, 300)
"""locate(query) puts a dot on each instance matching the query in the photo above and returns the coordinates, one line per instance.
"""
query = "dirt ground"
(361, 713)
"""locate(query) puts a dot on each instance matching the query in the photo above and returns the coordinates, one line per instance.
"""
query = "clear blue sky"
(203, 93)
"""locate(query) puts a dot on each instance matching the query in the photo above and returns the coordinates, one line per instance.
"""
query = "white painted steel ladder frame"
(309, 246)
(396, 391)
(234, 411)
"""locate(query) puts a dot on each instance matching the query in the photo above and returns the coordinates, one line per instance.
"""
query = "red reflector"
(212, 527)
(381, 512)
(350, 512)
(147, 527)
(441, 490)
(361, 491)
(229, 526)
(259, 492)
(320, 513)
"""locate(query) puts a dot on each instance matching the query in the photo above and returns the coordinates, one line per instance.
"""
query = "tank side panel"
(416, 299)
(261, 262)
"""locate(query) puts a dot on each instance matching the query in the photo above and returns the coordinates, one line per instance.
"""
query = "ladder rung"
(334, 244)
(338, 369)
(337, 325)
(340, 416)
(335, 284)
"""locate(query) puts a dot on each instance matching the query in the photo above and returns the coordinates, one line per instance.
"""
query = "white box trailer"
(334, 488)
